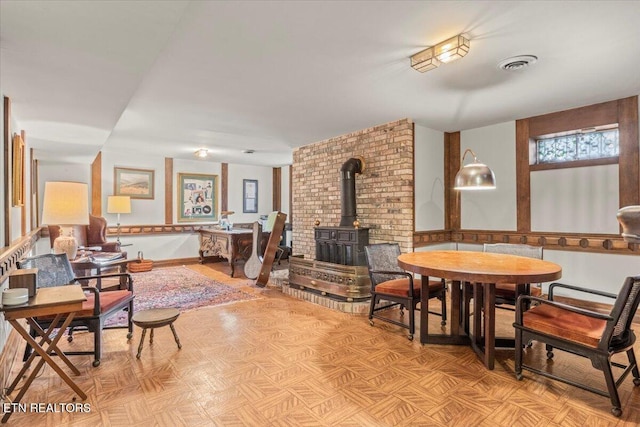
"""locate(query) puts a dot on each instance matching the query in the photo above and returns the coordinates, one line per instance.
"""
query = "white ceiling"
(169, 77)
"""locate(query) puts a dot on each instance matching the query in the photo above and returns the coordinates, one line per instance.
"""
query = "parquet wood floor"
(278, 361)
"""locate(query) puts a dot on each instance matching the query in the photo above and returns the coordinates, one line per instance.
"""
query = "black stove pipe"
(348, 196)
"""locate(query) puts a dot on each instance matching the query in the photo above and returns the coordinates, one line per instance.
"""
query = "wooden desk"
(230, 244)
(483, 270)
(58, 301)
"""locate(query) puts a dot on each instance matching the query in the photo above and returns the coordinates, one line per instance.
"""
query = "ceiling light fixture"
(202, 153)
(447, 51)
(474, 176)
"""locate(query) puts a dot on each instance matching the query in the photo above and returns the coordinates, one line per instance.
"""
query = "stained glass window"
(579, 146)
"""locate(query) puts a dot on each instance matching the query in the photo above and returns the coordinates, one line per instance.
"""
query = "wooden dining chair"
(396, 287)
(582, 332)
(56, 270)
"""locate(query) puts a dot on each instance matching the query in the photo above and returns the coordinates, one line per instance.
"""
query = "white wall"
(429, 179)
(575, 200)
(264, 175)
(144, 211)
(494, 146)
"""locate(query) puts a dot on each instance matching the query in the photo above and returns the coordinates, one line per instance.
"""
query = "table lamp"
(118, 205)
(65, 204)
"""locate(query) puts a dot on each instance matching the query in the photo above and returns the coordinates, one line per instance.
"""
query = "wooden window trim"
(623, 111)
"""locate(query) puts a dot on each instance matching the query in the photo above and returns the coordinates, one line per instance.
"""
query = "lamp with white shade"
(65, 204)
(118, 205)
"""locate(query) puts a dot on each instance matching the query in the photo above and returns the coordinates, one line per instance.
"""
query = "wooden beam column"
(6, 139)
(629, 159)
(96, 185)
(224, 187)
(168, 190)
(523, 177)
(452, 214)
(277, 189)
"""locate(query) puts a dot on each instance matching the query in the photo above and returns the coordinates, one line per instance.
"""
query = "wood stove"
(339, 269)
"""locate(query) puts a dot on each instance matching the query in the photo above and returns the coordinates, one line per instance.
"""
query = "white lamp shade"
(65, 203)
(118, 204)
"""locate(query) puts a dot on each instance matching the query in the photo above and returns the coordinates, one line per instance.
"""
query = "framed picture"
(197, 197)
(135, 183)
(250, 195)
(18, 171)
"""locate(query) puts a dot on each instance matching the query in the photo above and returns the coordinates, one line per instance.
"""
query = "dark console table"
(230, 244)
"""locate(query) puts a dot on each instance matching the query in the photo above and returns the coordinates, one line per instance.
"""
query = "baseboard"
(8, 359)
(176, 261)
(591, 305)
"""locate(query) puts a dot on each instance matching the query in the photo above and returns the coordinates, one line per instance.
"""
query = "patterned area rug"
(178, 287)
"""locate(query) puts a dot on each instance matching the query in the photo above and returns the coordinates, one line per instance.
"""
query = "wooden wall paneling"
(452, 215)
(6, 139)
(277, 189)
(96, 185)
(578, 118)
(629, 159)
(23, 208)
(523, 177)
(168, 190)
(35, 197)
(224, 187)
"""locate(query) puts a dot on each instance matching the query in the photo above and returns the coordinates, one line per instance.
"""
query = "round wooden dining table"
(484, 271)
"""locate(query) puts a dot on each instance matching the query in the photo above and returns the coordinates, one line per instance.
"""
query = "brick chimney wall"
(384, 192)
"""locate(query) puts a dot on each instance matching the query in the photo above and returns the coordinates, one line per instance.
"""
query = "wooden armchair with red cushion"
(396, 287)
(583, 332)
(55, 270)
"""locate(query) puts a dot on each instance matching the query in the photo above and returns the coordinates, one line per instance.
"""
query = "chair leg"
(97, 344)
(130, 321)
(518, 355)
(28, 350)
(412, 319)
(633, 361)
(374, 300)
(616, 408)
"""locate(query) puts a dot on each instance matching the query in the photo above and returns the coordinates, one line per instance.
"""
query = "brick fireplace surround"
(384, 191)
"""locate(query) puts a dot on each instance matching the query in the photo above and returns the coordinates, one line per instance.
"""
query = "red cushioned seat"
(401, 287)
(565, 324)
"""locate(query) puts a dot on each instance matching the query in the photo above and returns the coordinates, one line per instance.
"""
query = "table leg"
(455, 319)
(175, 335)
(489, 324)
(477, 313)
(32, 356)
(46, 337)
(45, 357)
(144, 332)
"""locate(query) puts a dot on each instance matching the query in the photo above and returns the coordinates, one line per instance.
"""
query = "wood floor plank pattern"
(278, 361)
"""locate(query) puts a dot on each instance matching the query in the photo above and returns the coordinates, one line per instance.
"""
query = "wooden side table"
(60, 301)
(155, 318)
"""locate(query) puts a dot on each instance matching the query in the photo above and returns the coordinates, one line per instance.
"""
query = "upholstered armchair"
(92, 235)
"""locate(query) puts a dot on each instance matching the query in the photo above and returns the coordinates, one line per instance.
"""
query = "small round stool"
(155, 318)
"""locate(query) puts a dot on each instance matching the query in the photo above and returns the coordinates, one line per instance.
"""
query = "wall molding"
(10, 256)
(576, 242)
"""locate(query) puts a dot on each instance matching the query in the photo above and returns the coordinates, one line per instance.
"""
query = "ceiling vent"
(517, 62)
